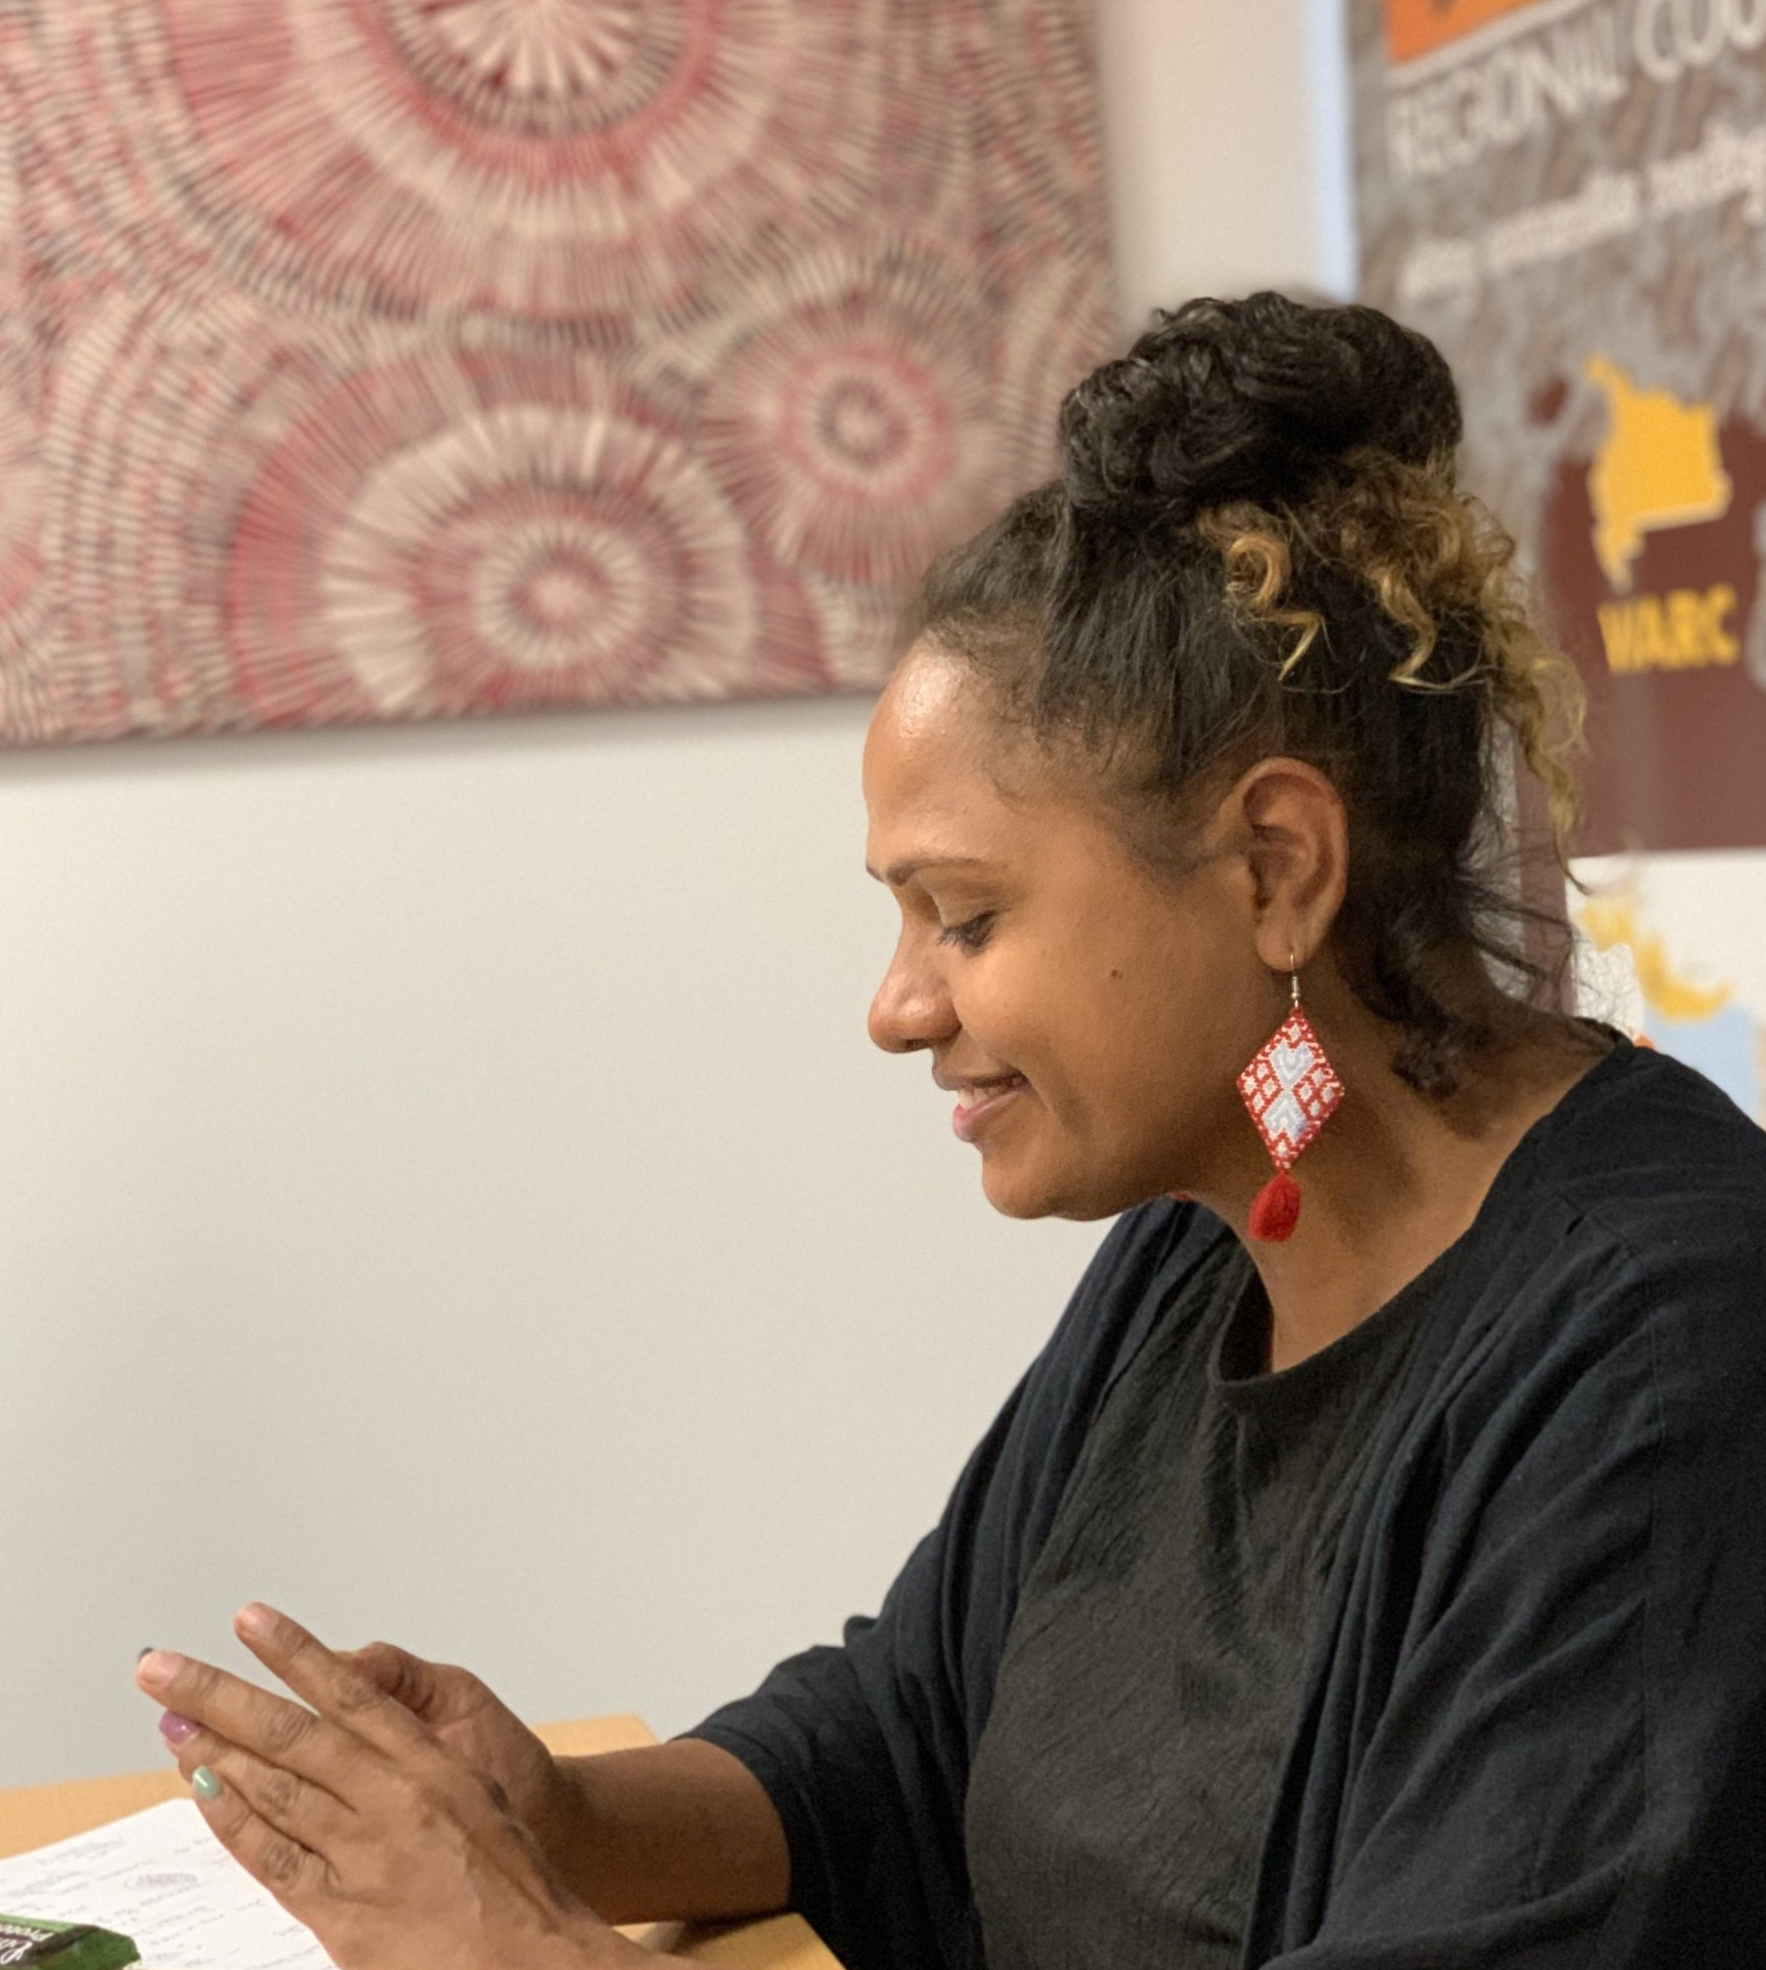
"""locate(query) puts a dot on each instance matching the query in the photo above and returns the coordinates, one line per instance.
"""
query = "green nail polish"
(204, 1783)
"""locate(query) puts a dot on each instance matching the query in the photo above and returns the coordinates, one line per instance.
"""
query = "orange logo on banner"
(1414, 27)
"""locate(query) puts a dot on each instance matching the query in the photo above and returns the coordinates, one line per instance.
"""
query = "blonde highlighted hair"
(1430, 554)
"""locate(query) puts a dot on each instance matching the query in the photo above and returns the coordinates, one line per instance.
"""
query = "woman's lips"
(977, 1106)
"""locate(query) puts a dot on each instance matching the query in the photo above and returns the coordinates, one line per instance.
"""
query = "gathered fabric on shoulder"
(1532, 1725)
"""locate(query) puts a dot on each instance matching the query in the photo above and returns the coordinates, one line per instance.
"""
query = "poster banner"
(1569, 196)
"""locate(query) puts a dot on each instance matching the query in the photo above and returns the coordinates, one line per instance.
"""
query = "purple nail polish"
(175, 1729)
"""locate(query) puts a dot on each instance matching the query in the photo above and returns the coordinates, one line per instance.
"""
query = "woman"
(1370, 1571)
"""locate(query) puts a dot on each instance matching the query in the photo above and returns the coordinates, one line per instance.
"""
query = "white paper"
(162, 1878)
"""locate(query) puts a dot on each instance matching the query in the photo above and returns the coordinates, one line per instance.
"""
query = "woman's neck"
(1397, 1176)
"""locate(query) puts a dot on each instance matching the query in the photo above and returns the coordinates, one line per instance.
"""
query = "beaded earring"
(1291, 1090)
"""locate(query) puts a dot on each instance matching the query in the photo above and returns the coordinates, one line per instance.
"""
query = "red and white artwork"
(373, 359)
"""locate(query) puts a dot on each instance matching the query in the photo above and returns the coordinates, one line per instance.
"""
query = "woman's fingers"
(406, 1678)
(291, 1871)
(340, 1693)
(304, 1813)
(354, 1816)
(327, 1744)
(280, 1732)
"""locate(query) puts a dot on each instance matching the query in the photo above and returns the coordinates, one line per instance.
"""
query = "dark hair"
(1257, 546)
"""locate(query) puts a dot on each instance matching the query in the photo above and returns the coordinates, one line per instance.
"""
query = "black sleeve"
(1567, 1771)
(865, 1749)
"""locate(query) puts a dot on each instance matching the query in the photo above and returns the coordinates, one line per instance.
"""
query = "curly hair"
(1257, 546)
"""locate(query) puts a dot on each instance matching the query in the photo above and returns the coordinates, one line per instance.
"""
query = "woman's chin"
(1018, 1190)
(1015, 1191)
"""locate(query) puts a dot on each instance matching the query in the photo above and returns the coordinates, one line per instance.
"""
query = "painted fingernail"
(158, 1666)
(204, 1783)
(175, 1729)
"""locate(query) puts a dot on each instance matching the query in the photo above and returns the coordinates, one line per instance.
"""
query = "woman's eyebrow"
(899, 872)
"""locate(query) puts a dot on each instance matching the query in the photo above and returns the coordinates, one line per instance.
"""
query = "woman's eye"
(968, 936)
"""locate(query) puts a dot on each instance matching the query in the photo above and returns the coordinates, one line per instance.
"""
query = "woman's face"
(1088, 1015)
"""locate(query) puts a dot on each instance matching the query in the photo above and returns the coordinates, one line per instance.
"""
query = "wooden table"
(34, 1815)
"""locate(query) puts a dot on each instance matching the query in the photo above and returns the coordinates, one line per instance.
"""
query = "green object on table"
(27, 1941)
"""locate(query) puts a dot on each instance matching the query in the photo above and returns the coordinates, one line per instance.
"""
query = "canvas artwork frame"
(373, 360)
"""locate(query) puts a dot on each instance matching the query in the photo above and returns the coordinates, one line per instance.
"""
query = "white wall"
(1227, 144)
(444, 1184)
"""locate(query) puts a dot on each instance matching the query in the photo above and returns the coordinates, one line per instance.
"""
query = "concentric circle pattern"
(20, 396)
(24, 638)
(553, 159)
(397, 532)
(1050, 164)
(854, 427)
(367, 359)
(21, 462)
(1064, 320)
(539, 545)
(545, 68)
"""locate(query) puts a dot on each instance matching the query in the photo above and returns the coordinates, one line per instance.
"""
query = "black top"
(1531, 1730)
(1119, 1795)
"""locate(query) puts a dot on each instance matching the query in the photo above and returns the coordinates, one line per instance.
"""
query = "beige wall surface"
(1227, 144)
(444, 1183)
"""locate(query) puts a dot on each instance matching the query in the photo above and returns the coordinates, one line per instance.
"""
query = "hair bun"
(1253, 399)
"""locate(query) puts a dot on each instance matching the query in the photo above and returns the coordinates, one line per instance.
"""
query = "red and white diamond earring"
(1292, 1090)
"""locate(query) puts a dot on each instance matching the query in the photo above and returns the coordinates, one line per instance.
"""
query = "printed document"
(162, 1878)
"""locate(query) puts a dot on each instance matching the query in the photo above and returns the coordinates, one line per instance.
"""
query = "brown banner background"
(1570, 199)
(1569, 196)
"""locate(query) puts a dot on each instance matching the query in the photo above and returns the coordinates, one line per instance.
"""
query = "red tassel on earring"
(1291, 1090)
(1275, 1210)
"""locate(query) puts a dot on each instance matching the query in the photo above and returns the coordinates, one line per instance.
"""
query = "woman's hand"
(362, 1823)
(478, 1727)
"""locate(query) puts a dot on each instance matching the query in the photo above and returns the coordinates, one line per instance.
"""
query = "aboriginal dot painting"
(386, 359)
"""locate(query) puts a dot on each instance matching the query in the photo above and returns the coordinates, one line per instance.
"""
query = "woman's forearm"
(679, 1831)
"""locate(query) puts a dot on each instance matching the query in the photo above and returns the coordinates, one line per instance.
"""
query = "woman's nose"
(912, 1010)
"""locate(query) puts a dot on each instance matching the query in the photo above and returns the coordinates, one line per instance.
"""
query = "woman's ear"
(1295, 831)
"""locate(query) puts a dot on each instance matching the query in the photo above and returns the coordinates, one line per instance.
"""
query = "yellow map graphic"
(1615, 920)
(1661, 466)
